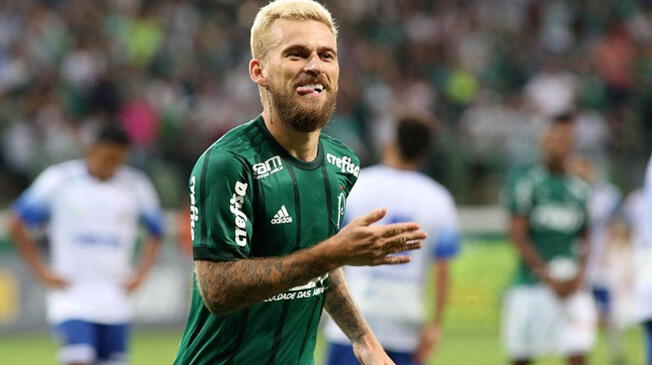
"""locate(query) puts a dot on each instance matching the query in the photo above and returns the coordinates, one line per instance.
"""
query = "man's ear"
(258, 73)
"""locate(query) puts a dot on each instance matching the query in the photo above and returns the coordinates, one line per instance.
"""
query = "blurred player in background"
(391, 298)
(93, 207)
(603, 205)
(266, 202)
(548, 310)
(638, 211)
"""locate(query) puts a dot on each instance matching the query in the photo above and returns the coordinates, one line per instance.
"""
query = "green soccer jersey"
(251, 198)
(556, 208)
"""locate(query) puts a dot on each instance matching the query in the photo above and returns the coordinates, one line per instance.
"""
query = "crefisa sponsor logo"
(345, 164)
(268, 167)
(194, 211)
(240, 218)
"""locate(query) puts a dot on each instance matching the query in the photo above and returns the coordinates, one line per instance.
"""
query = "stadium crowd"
(173, 73)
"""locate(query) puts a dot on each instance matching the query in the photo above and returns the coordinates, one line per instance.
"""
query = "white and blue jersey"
(603, 205)
(93, 227)
(391, 297)
(638, 213)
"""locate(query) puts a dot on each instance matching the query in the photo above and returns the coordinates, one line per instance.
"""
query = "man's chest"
(296, 208)
(90, 202)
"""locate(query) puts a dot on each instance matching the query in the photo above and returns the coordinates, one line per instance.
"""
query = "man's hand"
(360, 244)
(51, 279)
(564, 288)
(370, 352)
(428, 342)
(132, 283)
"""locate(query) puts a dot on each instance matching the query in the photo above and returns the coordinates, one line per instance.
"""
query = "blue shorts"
(343, 355)
(88, 342)
(602, 298)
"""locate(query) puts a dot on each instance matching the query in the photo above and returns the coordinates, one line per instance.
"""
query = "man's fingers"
(402, 239)
(372, 217)
(394, 260)
(392, 230)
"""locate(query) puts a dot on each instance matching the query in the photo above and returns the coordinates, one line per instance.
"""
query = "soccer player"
(604, 201)
(391, 297)
(266, 203)
(548, 310)
(639, 209)
(94, 207)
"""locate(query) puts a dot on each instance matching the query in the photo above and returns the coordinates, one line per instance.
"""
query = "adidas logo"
(282, 216)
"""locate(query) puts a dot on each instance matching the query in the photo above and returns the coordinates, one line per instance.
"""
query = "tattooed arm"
(232, 285)
(340, 306)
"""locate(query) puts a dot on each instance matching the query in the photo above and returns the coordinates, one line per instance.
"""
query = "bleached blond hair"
(288, 10)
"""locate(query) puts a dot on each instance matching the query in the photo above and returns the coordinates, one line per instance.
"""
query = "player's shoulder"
(528, 174)
(242, 140)
(133, 175)
(421, 184)
(440, 191)
(64, 170)
(337, 148)
(431, 188)
(234, 147)
(580, 188)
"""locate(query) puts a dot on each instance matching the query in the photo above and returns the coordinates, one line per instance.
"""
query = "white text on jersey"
(240, 218)
(345, 164)
(194, 211)
(282, 216)
(270, 166)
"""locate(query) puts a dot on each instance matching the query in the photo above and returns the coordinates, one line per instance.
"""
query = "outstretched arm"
(230, 285)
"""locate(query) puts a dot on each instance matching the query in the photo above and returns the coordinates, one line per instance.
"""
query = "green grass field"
(471, 336)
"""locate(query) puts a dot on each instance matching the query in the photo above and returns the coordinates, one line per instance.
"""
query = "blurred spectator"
(173, 68)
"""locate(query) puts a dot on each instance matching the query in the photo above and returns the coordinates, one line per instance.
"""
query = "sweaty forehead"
(309, 33)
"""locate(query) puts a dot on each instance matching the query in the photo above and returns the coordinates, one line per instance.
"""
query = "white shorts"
(536, 322)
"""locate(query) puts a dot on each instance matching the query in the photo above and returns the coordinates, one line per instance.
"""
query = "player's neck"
(555, 167)
(301, 145)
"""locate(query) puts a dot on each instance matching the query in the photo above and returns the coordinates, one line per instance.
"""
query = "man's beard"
(302, 118)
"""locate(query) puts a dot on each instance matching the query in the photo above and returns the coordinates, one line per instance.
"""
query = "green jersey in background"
(250, 198)
(556, 207)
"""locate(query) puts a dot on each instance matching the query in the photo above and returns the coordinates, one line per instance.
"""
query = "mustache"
(309, 79)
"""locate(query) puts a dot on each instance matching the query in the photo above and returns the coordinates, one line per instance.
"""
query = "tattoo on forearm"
(232, 285)
(339, 304)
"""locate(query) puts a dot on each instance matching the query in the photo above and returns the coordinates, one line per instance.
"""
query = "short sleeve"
(447, 240)
(221, 209)
(348, 215)
(519, 197)
(354, 173)
(34, 204)
(150, 213)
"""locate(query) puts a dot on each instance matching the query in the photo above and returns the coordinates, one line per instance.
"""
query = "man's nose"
(313, 65)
